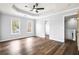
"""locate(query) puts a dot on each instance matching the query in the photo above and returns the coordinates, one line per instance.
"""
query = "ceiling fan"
(35, 7)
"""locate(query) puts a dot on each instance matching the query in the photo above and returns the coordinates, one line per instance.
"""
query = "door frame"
(70, 16)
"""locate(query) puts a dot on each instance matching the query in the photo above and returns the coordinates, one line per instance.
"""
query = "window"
(29, 27)
(15, 26)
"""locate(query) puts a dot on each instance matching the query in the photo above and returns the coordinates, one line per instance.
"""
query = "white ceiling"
(48, 8)
(54, 7)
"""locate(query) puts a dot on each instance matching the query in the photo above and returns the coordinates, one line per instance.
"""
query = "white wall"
(57, 25)
(47, 27)
(6, 27)
(57, 28)
(40, 28)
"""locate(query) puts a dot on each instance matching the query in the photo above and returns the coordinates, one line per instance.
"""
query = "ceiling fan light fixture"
(25, 6)
(35, 8)
(36, 4)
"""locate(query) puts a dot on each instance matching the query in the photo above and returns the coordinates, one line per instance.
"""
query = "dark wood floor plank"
(36, 46)
(60, 50)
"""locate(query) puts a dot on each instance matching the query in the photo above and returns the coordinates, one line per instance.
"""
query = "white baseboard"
(4, 40)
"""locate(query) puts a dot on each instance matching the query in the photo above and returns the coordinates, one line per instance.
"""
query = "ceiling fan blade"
(36, 11)
(40, 8)
(36, 4)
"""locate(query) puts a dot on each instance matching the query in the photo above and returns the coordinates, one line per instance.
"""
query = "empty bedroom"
(39, 28)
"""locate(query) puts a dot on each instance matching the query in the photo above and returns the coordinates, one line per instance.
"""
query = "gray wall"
(5, 21)
(71, 26)
(0, 27)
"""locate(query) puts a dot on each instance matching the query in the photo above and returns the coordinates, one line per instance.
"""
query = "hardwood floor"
(71, 48)
(34, 46)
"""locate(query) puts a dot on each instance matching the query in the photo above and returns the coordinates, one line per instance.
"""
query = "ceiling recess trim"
(23, 11)
(41, 15)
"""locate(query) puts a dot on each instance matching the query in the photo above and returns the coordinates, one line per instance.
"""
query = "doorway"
(46, 29)
(70, 28)
(71, 34)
